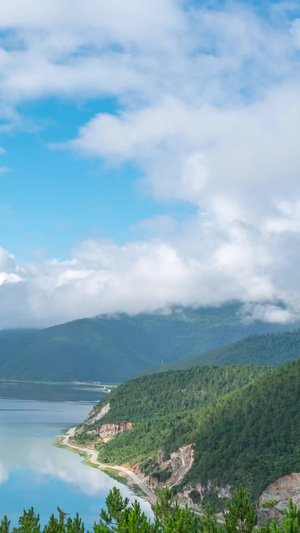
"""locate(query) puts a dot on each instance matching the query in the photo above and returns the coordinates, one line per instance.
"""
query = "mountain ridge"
(119, 347)
(268, 349)
(241, 421)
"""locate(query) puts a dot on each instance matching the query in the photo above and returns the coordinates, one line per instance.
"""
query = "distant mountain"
(242, 423)
(117, 348)
(268, 349)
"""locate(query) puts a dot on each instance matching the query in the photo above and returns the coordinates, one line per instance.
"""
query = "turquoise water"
(35, 473)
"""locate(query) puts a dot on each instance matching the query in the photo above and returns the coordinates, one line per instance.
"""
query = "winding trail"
(93, 458)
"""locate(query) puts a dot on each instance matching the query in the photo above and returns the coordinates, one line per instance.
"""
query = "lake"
(35, 473)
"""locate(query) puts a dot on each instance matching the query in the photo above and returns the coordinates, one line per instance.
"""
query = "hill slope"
(243, 422)
(117, 348)
(267, 349)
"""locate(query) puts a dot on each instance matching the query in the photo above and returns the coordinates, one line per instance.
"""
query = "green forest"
(119, 347)
(266, 349)
(168, 517)
(242, 420)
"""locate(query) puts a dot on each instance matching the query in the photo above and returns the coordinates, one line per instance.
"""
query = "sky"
(149, 157)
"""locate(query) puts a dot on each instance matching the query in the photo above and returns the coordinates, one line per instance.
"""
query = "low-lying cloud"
(199, 264)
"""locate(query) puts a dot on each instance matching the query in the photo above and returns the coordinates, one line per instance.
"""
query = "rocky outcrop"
(184, 497)
(181, 462)
(110, 430)
(174, 468)
(96, 415)
(107, 432)
(172, 472)
(225, 492)
(278, 493)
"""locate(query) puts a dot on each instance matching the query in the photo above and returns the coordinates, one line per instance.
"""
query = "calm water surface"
(35, 473)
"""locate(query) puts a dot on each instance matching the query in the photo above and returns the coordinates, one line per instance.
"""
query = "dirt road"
(93, 458)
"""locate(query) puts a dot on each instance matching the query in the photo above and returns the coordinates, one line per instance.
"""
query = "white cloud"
(57, 49)
(40, 457)
(7, 262)
(3, 170)
(246, 157)
(196, 265)
(267, 313)
(208, 112)
(4, 473)
(137, 51)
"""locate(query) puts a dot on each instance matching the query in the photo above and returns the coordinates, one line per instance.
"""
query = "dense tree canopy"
(117, 348)
(169, 517)
(242, 420)
(266, 349)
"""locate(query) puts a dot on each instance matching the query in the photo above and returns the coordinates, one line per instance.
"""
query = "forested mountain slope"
(267, 349)
(243, 423)
(117, 348)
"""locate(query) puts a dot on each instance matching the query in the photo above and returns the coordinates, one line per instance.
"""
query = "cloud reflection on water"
(44, 463)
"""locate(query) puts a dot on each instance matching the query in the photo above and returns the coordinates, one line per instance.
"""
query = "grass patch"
(114, 475)
(89, 463)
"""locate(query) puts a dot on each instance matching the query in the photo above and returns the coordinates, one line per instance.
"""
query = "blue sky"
(148, 157)
(51, 199)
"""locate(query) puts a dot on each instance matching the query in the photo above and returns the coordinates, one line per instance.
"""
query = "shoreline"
(92, 457)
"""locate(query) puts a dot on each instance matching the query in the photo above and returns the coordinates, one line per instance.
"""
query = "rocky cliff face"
(173, 470)
(106, 432)
(223, 493)
(280, 491)
(110, 430)
(96, 415)
(181, 462)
